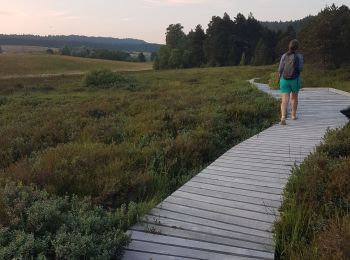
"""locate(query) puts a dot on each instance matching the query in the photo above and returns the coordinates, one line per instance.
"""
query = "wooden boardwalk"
(227, 210)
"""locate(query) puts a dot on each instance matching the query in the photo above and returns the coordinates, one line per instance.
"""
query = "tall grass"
(314, 222)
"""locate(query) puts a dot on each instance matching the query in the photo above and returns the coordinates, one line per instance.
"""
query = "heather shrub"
(104, 78)
(35, 224)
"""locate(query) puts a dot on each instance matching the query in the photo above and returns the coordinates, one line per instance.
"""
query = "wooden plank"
(201, 236)
(224, 202)
(162, 215)
(250, 176)
(180, 252)
(231, 210)
(136, 255)
(256, 172)
(225, 218)
(206, 227)
(239, 186)
(278, 185)
(274, 161)
(229, 196)
(204, 246)
(232, 190)
(261, 164)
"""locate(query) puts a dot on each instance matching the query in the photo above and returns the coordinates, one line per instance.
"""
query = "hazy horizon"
(139, 19)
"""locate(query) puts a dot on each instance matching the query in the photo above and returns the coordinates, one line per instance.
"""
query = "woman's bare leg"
(284, 105)
(294, 101)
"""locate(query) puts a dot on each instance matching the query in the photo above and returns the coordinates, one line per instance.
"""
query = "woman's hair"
(293, 46)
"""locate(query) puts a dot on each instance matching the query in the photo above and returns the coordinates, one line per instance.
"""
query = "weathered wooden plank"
(191, 188)
(201, 236)
(162, 215)
(181, 252)
(260, 182)
(274, 161)
(225, 218)
(231, 210)
(260, 164)
(224, 202)
(264, 155)
(250, 176)
(250, 167)
(239, 186)
(204, 246)
(232, 190)
(136, 255)
(248, 171)
(205, 227)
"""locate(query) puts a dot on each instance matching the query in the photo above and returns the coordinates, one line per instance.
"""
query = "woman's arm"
(281, 66)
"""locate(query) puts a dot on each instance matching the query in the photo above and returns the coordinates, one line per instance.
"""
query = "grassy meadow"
(112, 150)
(22, 64)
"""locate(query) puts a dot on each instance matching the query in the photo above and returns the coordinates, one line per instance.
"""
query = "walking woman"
(291, 65)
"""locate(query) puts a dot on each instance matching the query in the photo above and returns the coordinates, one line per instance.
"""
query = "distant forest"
(76, 41)
(283, 26)
(243, 40)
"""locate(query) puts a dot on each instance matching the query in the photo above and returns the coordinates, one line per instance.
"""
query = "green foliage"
(316, 207)
(66, 51)
(36, 224)
(175, 37)
(223, 44)
(141, 57)
(274, 80)
(175, 59)
(325, 38)
(104, 78)
(50, 51)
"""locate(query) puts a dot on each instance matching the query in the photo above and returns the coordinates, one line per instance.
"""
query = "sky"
(140, 19)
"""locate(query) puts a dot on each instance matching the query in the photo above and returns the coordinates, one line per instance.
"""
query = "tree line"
(245, 41)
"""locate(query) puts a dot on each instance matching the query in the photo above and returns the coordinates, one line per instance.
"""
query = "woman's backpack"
(291, 66)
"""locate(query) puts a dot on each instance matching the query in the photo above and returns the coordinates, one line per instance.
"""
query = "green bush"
(36, 224)
(104, 78)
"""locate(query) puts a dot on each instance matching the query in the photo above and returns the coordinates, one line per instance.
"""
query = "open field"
(118, 145)
(21, 49)
(30, 65)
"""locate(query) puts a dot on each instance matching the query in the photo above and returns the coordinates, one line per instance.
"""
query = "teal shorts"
(290, 85)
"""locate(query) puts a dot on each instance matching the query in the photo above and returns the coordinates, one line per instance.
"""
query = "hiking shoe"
(283, 121)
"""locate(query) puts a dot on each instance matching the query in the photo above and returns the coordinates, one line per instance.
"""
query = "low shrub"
(34, 224)
(104, 78)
